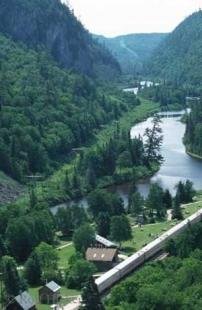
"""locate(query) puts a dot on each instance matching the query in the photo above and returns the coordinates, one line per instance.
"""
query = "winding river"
(177, 164)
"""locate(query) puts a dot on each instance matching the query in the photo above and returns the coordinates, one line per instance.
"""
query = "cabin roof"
(25, 301)
(54, 287)
(101, 254)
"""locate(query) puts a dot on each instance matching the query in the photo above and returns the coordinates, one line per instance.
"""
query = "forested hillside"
(50, 24)
(132, 50)
(178, 58)
(45, 111)
(193, 134)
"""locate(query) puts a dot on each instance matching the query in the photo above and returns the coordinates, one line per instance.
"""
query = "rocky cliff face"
(50, 24)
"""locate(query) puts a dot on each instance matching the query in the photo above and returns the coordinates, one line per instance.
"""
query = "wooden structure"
(103, 258)
(22, 302)
(49, 293)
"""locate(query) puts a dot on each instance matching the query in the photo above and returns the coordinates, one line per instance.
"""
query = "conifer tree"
(177, 211)
(12, 281)
(90, 297)
(33, 269)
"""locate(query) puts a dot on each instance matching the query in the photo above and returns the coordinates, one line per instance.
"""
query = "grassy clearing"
(149, 232)
(144, 235)
(64, 255)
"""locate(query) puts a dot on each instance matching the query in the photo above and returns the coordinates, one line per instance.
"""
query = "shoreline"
(194, 155)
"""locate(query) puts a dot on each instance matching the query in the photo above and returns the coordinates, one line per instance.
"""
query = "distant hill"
(179, 56)
(133, 49)
(52, 25)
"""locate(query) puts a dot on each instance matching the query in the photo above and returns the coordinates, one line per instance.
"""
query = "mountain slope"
(50, 24)
(179, 56)
(133, 49)
(46, 111)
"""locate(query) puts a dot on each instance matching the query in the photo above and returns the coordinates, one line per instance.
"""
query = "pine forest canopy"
(46, 111)
(178, 57)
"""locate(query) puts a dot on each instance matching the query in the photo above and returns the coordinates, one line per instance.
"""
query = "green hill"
(179, 56)
(132, 50)
(50, 24)
(46, 111)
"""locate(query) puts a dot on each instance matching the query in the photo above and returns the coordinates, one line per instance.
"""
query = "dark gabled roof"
(54, 287)
(101, 254)
(25, 301)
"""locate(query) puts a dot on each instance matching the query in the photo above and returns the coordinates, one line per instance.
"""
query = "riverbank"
(52, 191)
(194, 155)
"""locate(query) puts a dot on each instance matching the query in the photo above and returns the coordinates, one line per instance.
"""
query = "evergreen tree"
(3, 247)
(90, 297)
(32, 198)
(181, 195)
(153, 142)
(189, 191)
(167, 199)
(155, 200)
(64, 220)
(177, 210)
(136, 204)
(33, 271)
(66, 182)
(91, 176)
(12, 281)
(103, 224)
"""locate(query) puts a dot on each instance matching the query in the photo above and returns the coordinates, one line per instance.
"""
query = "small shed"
(103, 258)
(22, 302)
(49, 293)
(103, 242)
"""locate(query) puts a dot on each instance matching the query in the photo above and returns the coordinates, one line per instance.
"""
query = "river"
(177, 164)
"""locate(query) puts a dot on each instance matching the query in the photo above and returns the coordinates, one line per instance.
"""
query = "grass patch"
(149, 232)
(191, 208)
(145, 234)
(64, 255)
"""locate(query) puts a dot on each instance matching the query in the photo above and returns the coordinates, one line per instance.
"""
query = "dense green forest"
(178, 57)
(174, 283)
(53, 26)
(132, 50)
(47, 111)
(168, 95)
(193, 134)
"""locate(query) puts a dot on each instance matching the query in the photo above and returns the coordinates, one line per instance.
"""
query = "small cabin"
(22, 302)
(49, 293)
(103, 258)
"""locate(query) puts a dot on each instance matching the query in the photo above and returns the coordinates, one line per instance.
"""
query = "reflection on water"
(177, 164)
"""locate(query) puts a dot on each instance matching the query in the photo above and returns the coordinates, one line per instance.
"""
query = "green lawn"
(149, 232)
(144, 235)
(64, 255)
(192, 208)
